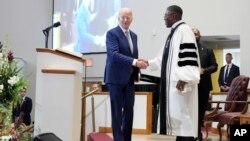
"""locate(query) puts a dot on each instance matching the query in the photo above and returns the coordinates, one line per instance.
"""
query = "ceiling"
(227, 41)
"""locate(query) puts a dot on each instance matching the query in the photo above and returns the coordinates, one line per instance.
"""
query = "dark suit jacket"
(208, 62)
(25, 109)
(234, 72)
(119, 61)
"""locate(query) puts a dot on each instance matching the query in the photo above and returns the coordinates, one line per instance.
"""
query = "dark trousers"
(203, 97)
(122, 109)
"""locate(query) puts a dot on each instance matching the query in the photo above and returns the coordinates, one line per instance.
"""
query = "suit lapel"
(231, 70)
(133, 38)
(124, 38)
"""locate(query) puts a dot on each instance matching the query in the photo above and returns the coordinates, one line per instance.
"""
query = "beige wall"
(244, 37)
(23, 21)
(219, 59)
(212, 17)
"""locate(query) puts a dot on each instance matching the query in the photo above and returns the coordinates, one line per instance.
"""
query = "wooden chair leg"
(219, 126)
(228, 131)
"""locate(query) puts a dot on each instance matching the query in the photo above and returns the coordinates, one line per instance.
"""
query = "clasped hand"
(142, 64)
(180, 85)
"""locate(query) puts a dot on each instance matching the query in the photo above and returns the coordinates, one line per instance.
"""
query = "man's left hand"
(180, 85)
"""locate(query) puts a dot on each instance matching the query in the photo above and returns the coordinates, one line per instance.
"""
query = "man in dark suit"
(21, 113)
(208, 66)
(228, 73)
(122, 69)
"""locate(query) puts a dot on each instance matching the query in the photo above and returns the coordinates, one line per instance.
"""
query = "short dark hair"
(176, 9)
(229, 54)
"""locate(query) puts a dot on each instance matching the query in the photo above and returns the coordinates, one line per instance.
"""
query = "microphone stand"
(46, 33)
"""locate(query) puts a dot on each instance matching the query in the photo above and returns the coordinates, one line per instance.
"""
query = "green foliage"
(11, 83)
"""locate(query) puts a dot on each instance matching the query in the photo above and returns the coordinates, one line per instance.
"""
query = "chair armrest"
(215, 110)
(232, 108)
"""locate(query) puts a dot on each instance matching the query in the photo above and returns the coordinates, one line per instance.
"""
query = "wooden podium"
(58, 105)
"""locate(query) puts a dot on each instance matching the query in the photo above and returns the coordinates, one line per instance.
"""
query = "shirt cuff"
(134, 62)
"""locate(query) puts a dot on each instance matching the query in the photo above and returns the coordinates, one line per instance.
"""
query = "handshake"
(142, 63)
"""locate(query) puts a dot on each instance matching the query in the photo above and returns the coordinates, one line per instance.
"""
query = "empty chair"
(237, 92)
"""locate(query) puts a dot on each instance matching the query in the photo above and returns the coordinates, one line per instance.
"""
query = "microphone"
(54, 25)
(46, 32)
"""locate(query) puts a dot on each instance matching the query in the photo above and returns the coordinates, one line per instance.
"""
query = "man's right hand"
(145, 61)
(141, 64)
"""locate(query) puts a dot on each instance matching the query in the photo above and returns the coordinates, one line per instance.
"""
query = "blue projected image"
(84, 23)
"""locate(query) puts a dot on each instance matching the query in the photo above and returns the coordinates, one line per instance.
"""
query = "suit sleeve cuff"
(134, 62)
